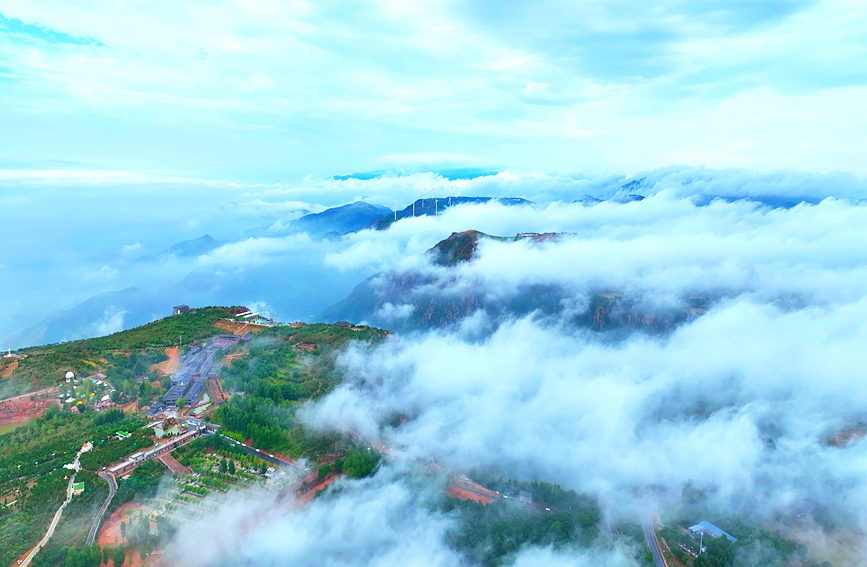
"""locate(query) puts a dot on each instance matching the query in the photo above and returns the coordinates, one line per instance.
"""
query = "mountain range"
(393, 300)
(412, 300)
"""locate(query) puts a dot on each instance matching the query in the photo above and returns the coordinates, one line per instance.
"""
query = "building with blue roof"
(706, 527)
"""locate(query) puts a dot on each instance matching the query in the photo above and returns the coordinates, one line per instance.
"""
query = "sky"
(131, 126)
(261, 91)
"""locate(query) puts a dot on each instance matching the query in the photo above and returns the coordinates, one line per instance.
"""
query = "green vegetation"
(161, 333)
(552, 495)
(360, 464)
(86, 557)
(674, 538)
(491, 534)
(276, 378)
(32, 480)
(44, 364)
(23, 524)
(51, 441)
(142, 483)
(132, 378)
(632, 536)
(756, 545)
(110, 450)
(71, 532)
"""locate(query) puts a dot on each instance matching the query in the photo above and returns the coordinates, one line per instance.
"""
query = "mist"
(738, 401)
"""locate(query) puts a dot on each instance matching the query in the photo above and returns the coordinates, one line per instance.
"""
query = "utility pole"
(436, 208)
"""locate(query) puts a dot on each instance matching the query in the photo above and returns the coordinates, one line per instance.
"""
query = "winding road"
(26, 561)
(97, 521)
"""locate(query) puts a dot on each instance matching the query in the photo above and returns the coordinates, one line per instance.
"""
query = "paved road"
(56, 518)
(652, 542)
(264, 456)
(97, 521)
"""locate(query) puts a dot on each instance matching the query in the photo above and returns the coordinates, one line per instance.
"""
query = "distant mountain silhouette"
(103, 313)
(185, 249)
(434, 205)
(330, 223)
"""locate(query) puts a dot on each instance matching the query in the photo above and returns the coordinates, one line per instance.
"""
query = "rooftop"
(706, 526)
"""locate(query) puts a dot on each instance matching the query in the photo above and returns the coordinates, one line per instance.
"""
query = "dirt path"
(52, 391)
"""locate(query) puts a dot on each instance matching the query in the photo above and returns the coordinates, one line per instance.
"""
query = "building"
(190, 390)
(343, 324)
(178, 309)
(705, 527)
(525, 497)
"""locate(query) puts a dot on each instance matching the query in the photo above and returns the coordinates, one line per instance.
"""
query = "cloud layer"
(267, 91)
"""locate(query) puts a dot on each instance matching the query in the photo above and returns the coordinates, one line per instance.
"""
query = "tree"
(118, 556)
(263, 468)
(223, 466)
(182, 402)
(359, 465)
(232, 469)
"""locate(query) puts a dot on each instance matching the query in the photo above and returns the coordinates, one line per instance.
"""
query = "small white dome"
(70, 375)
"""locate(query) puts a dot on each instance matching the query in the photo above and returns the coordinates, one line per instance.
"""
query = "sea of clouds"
(739, 402)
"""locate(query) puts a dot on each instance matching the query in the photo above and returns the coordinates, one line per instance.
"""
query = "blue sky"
(132, 126)
(263, 91)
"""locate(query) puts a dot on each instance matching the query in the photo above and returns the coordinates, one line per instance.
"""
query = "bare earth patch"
(227, 360)
(169, 366)
(8, 369)
(240, 328)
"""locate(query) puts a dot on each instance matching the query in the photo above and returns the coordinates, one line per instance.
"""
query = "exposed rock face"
(409, 301)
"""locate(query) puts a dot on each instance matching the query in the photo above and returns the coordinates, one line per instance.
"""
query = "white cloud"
(104, 273)
(390, 312)
(112, 323)
(131, 250)
(253, 252)
(378, 522)
(625, 418)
